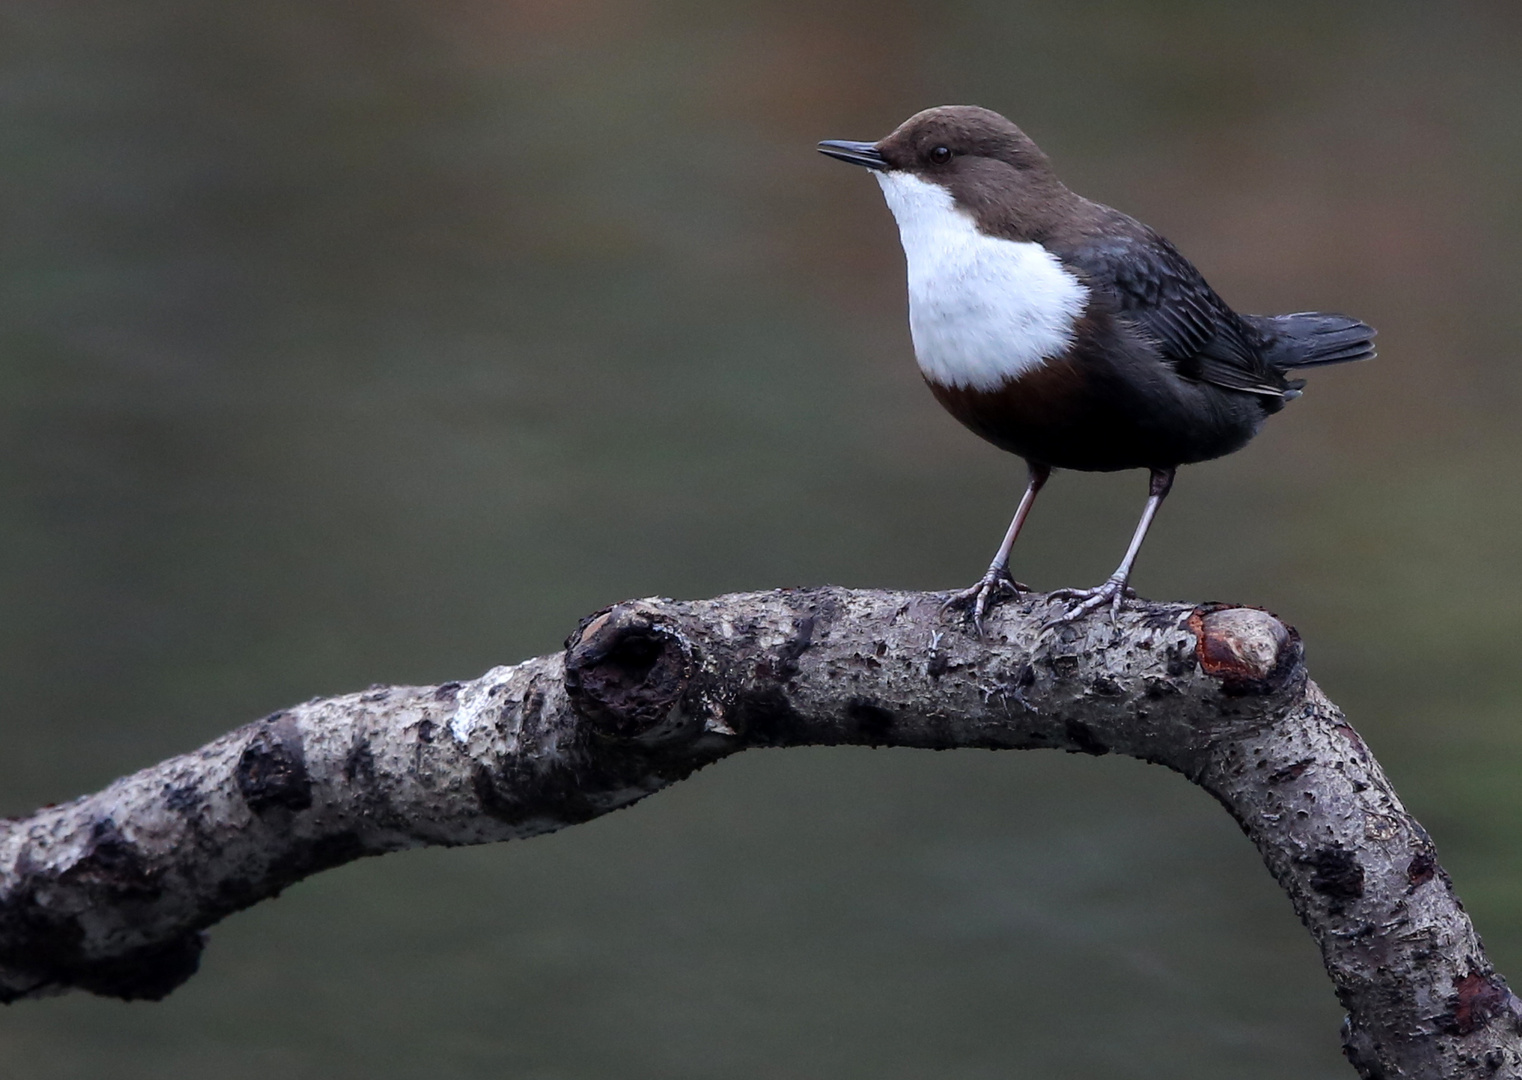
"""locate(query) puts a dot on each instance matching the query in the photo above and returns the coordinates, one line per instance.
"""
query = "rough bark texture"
(111, 893)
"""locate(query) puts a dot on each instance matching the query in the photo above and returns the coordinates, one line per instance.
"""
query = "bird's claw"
(1114, 592)
(982, 596)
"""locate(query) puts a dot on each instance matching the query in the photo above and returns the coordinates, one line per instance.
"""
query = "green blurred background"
(378, 341)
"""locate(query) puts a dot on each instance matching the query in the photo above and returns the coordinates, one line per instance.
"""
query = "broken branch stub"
(626, 672)
(1248, 649)
(111, 893)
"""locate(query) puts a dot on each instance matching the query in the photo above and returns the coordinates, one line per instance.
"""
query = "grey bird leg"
(997, 581)
(1114, 590)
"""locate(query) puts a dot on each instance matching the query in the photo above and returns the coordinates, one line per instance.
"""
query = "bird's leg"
(996, 581)
(1114, 590)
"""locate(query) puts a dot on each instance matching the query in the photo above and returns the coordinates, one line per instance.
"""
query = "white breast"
(982, 310)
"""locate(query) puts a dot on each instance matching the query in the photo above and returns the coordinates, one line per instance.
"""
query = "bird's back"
(1156, 291)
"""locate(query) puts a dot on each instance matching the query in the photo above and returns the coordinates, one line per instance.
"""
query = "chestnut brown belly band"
(1068, 417)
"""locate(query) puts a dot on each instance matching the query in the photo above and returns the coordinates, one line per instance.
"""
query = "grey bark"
(111, 893)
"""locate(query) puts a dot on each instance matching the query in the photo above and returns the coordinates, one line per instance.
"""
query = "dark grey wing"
(1161, 293)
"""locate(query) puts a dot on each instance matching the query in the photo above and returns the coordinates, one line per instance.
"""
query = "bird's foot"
(1114, 592)
(996, 583)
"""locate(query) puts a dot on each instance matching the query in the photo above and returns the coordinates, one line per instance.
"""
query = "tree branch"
(111, 892)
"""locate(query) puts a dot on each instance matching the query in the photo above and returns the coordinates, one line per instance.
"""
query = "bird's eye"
(940, 155)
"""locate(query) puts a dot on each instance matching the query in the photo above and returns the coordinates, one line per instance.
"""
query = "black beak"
(854, 153)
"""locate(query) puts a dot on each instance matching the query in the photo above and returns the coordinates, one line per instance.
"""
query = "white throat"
(982, 311)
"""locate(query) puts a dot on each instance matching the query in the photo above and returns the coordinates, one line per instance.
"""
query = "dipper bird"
(1068, 333)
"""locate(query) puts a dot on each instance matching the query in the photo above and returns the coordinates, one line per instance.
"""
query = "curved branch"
(111, 893)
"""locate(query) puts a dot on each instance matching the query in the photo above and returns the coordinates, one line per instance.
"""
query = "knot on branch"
(44, 942)
(1248, 649)
(626, 672)
(272, 770)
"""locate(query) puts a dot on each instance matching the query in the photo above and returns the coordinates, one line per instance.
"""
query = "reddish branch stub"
(1248, 649)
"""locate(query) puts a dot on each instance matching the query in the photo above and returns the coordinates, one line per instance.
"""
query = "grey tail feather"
(1313, 338)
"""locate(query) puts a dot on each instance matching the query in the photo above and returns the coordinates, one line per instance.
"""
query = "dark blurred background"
(378, 341)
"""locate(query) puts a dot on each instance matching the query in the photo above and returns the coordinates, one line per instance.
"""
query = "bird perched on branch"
(1068, 333)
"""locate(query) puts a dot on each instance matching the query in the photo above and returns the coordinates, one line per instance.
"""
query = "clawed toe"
(1113, 592)
(981, 597)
